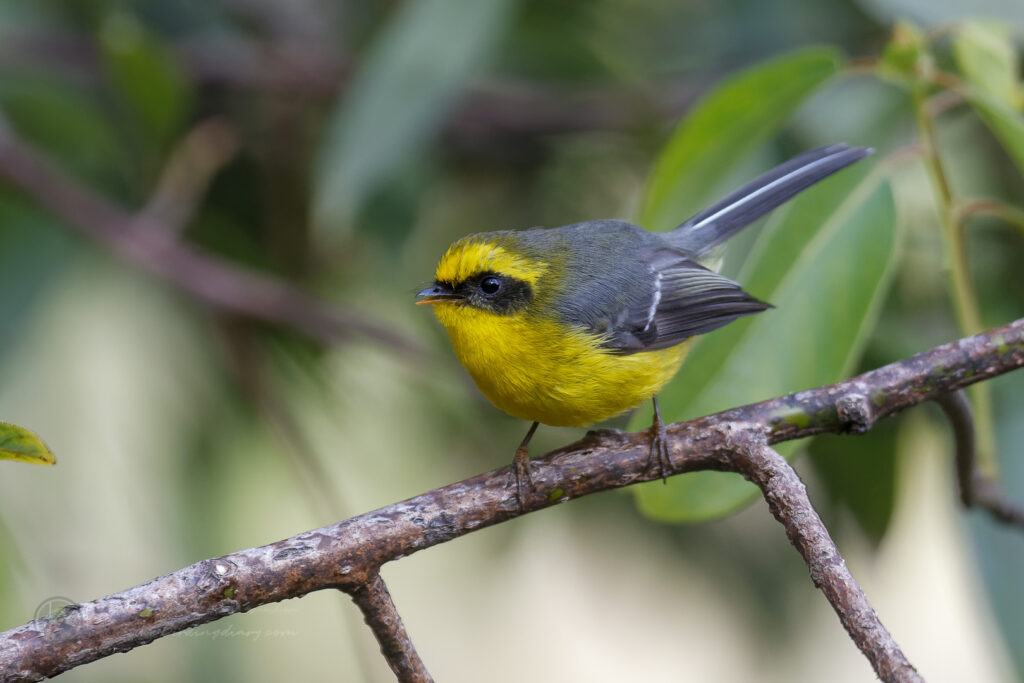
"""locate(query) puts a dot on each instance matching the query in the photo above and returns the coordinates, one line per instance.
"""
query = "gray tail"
(714, 225)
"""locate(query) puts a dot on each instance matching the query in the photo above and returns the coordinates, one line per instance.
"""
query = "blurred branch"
(138, 239)
(993, 208)
(348, 555)
(202, 152)
(51, 52)
(943, 101)
(297, 20)
(303, 69)
(976, 489)
(533, 109)
(310, 70)
(298, 69)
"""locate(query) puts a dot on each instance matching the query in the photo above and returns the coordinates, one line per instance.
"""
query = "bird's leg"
(659, 446)
(521, 465)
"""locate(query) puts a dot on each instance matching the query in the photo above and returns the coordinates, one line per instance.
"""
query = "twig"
(976, 490)
(787, 499)
(961, 287)
(348, 554)
(226, 286)
(1009, 214)
(378, 609)
(202, 152)
(958, 411)
(942, 102)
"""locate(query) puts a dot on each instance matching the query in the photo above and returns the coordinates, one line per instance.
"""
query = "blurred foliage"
(373, 134)
(987, 58)
(860, 475)
(407, 57)
(736, 116)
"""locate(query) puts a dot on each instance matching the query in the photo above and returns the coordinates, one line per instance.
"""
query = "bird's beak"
(437, 294)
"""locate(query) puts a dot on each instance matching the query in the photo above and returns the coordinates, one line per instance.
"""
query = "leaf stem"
(965, 302)
(994, 208)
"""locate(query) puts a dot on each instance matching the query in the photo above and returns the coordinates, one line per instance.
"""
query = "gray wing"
(683, 299)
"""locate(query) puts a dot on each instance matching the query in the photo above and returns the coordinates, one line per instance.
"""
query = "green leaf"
(145, 75)
(1005, 123)
(986, 57)
(729, 121)
(21, 445)
(859, 475)
(826, 263)
(399, 97)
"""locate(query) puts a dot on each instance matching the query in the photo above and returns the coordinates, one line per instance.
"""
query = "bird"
(576, 324)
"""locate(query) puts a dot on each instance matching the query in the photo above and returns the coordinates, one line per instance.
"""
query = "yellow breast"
(541, 371)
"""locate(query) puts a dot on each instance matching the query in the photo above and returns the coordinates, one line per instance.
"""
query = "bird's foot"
(659, 457)
(521, 474)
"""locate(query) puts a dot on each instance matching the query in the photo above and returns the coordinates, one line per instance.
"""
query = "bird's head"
(489, 272)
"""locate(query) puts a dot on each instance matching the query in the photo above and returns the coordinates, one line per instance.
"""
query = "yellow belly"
(544, 373)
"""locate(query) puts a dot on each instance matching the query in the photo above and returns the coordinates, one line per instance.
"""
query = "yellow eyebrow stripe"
(466, 258)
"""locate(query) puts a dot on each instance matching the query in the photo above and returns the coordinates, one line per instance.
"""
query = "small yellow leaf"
(21, 445)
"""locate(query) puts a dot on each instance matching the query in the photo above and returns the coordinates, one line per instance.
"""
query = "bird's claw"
(521, 474)
(660, 456)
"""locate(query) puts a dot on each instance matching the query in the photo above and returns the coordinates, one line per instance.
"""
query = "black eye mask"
(495, 292)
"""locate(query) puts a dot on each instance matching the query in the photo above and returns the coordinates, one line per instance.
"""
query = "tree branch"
(787, 499)
(139, 240)
(375, 602)
(976, 489)
(348, 555)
